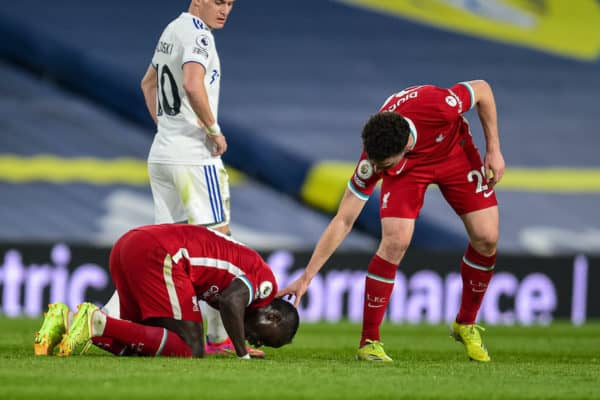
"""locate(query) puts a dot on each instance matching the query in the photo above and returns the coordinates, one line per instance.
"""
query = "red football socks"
(110, 345)
(143, 339)
(476, 271)
(379, 284)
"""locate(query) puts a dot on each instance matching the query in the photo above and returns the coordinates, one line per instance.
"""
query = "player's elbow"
(192, 87)
(479, 82)
(147, 86)
(232, 302)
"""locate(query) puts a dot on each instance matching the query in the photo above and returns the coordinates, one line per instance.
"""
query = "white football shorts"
(198, 194)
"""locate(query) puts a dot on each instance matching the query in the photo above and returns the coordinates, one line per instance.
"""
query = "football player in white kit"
(187, 176)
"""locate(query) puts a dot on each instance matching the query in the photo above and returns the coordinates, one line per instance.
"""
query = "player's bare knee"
(485, 245)
(392, 250)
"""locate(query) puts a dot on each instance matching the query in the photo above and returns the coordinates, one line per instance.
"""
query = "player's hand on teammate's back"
(297, 289)
(494, 163)
(219, 144)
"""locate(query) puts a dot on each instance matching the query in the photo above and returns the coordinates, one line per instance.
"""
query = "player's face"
(263, 330)
(387, 163)
(392, 161)
(215, 12)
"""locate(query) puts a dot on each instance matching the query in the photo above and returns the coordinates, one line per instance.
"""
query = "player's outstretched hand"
(494, 167)
(219, 144)
(296, 289)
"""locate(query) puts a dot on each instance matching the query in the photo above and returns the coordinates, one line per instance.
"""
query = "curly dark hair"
(384, 135)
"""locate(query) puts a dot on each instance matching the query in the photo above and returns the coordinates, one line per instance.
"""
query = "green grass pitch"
(555, 362)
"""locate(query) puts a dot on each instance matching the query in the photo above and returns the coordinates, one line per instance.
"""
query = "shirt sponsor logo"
(200, 51)
(364, 170)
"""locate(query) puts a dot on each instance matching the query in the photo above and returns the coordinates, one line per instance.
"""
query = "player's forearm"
(233, 321)
(486, 110)
(201, 106)
(150, 97)
(149, 88)
(489, 123)
(330, 240)
(335, 233)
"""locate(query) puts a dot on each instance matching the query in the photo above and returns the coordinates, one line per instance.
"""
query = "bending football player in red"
(420, 137)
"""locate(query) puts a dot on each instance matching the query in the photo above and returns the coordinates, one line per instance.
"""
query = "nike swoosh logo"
(401, 168)
(478, 290)
(375, 305)
(487, 194)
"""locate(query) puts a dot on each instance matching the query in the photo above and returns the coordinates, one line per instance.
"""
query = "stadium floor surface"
(554, 362)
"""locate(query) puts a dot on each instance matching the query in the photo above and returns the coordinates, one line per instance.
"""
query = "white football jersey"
(179, 138)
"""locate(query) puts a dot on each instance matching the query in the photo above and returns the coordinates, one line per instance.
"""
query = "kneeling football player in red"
(160, 273)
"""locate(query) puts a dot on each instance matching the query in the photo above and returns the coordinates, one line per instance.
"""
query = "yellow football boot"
(53, 328)
(372, 351)
(470, 337)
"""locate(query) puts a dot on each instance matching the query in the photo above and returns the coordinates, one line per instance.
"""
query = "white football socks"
(215, 331)
(112, 307)
(98, 323)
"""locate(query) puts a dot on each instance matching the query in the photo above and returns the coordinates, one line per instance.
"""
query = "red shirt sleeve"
(464, 95)
(364, 179)
(265, 286)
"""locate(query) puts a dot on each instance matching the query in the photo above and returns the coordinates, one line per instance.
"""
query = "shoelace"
(375, 344)
(474, 334)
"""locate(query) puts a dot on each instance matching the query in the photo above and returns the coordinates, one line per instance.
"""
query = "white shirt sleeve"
(198, 47)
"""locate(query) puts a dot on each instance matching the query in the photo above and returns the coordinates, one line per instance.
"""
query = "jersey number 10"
(163, 101)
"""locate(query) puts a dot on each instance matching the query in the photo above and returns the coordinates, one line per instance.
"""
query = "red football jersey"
(213, 260)
(436, 123)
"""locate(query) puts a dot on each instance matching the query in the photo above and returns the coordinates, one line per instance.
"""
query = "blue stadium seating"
(40, 119)
(300, 78)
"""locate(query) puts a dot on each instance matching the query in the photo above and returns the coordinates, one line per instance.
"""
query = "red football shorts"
(459, 176)
(148, 283)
